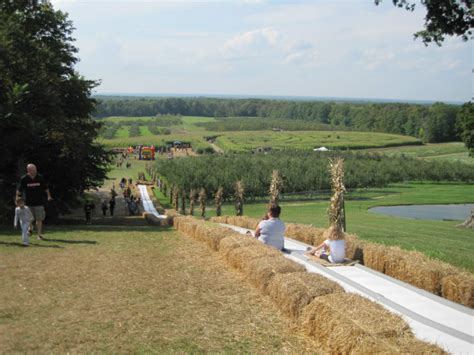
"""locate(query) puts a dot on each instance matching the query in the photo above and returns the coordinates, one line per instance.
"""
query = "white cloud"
(252, 43)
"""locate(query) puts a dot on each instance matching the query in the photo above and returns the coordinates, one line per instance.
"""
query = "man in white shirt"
(271, 230)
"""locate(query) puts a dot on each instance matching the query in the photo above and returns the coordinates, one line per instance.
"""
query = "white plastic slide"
(148, 205)
(431, 318)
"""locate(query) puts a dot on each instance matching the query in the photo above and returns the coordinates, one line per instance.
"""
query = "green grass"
(437, 239)
(117, 289)
(121, 119)
(122, 132)
(145, 132)
(246, 141)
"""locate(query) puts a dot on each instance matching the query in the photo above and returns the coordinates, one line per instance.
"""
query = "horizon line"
(276, 97)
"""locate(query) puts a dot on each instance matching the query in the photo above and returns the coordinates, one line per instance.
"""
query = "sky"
(320, 48)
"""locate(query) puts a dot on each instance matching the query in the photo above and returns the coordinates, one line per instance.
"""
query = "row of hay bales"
(412, 267)
(342, 322)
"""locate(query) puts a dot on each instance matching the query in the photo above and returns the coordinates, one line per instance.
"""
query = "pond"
(433, 212)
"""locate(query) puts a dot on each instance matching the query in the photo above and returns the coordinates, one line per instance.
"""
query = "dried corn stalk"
(239, 198)
(202, 202)
(176, 198)
(183, 202)
(275, 187)
(192, 201)
(218, 200)
(336, 211)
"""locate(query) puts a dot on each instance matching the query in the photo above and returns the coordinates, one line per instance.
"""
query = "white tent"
(320, 149)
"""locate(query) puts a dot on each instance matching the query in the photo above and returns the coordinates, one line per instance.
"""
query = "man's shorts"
(38, 212)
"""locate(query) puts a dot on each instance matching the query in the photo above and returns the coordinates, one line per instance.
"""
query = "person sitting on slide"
(332, 249)
(271, 229)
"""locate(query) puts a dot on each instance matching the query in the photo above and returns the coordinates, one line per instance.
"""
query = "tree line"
(301, 171)
(45, 105)
(432, 123)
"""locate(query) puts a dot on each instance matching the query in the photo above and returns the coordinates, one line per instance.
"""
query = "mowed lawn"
(123, 290)
(437, 239)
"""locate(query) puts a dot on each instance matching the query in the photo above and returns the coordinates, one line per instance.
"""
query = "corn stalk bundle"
(176, 197)
(239, 198)
(336, 208)
(183, 202)
(218, 200)
(275, 187)
(202, 202)
(192, 201)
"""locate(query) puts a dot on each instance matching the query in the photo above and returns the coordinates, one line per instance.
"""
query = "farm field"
(437, 239)
(246, 141)
(188, 130)
(452, 151)
(115, 289)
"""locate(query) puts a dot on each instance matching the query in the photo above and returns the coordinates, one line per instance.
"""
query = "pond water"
(434, 212)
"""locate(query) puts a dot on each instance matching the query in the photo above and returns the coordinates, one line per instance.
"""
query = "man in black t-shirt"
(34, 190)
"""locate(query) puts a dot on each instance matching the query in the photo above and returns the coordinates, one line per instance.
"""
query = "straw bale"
(402, 345)
(354, 248)
(417, 269)
(459, 288)
(151, 219)
(292, 292)
(220, 219)
(236, 241)
(260, 271)
(411, 345)
(343, 320)
(212, 234)
(300, 232)
(239, 257)
(374, 256)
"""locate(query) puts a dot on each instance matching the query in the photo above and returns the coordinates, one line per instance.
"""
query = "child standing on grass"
(25, 217)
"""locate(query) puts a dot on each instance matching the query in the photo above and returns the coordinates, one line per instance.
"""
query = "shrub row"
(411, 267)
(342, 322)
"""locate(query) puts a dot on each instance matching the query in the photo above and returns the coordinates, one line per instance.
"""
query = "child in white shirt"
(25, 217)
(333, 249)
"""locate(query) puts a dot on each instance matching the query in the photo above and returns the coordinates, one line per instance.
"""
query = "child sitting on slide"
(333, 249)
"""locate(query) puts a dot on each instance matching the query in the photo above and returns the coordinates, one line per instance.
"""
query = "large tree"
(45, 105)
(443, 18)
(465, 125)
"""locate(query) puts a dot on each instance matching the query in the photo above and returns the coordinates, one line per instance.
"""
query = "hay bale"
(151, 219)
(239, 257)
(243, 221)
(374, 256)
(305, 233)
(220, 219)
(411, 345)
(292, 292)
(236, 241)
(402, 345)
(260, 271)
(354, 248)
(416, 269)
(211, 234)
(459, 288)
(342, 321)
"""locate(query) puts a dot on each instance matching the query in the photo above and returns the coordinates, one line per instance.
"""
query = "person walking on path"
(112, 205)
(33, 189)
(25, 217)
